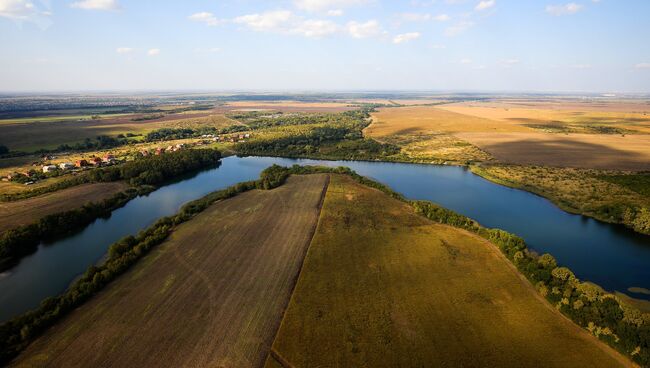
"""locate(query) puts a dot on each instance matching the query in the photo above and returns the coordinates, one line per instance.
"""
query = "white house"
(66, 165)
(49, 168)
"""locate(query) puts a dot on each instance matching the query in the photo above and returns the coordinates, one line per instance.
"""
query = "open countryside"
(238, 275)
(324, 183)
(391, 288)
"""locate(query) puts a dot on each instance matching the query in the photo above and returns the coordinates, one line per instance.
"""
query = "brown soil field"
(598, 151)
(384, 287)
(28, 211)
(212, 295)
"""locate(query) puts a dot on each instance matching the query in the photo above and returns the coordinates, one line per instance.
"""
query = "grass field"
(427, 133)
(28, 211)
(519, 135)
(48, 133)
(383, 287)
(212, 295)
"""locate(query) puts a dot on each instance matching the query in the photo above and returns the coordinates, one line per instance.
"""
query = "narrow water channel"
(609, 255)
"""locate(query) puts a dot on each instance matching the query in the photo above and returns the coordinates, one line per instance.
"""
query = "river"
(609, 255)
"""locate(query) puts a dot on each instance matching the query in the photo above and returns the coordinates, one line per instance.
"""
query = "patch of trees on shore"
(143, 174)
(17, 333)
(339, 136)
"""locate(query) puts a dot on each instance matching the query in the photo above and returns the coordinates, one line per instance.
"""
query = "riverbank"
(585, 192)
(142, 176)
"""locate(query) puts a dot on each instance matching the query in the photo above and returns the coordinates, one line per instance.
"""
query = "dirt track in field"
(211, 295)
(28, 211)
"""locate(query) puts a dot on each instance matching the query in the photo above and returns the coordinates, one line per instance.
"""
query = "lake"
(609, 255)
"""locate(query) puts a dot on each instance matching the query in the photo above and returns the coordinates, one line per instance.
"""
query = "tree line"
(142, 174)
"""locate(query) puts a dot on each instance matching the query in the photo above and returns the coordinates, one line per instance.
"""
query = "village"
(49, 168)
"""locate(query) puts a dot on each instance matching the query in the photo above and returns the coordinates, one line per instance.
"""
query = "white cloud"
(96, 5)
(485, 4)
(465, 61)
(458, 28)
(406, 37)
(642, 66)
(286, 22)
(566, 9)
(153, 52)
(274, 21)
(204, 17)
(315, 28)
(323, 5)
(367, 29)
(582, 66)
(442, 17)
(438, 46)
(335, 12)
(124, 50)
(25, 10)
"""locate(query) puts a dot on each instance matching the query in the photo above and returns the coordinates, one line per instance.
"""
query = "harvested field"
(32, 134)
(631, 152)
(28, 211)
(577, 118)
(213, 294)
(383, 287)
(291, 106)
(426, 119)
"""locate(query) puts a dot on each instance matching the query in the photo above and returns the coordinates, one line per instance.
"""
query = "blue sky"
(457, 45)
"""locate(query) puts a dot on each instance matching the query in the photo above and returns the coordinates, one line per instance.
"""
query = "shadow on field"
(568, 153)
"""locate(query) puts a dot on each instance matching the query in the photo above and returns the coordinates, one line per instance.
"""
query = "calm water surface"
(609, 255)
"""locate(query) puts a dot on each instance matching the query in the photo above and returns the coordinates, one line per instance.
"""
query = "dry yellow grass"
(212, 295)
(572, 116)
(427, 119)
(384, 287)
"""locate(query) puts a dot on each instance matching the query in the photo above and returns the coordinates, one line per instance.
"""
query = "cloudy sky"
(460, 45)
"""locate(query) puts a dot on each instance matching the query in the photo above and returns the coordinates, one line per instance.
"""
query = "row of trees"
(623, 327)
(143, 174)
(17, 333)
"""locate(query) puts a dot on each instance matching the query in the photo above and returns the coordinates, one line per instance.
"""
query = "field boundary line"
(280, 359)
(272, 352)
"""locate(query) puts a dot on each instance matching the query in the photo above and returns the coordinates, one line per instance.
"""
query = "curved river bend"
(609, 255)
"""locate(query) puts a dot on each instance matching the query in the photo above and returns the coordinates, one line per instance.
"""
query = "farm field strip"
(382, 287)
(28, 211)
(213, 294)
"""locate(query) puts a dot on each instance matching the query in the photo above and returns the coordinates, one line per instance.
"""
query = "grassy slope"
(28, 211)
(213, 294)
(382, 286)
